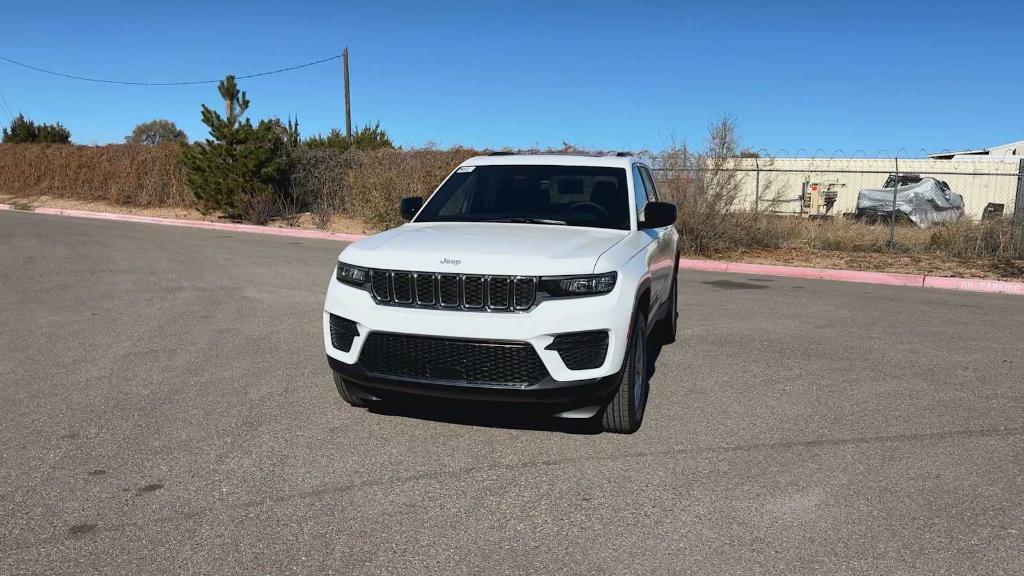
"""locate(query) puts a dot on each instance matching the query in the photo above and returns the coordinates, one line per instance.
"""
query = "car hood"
(485, 248)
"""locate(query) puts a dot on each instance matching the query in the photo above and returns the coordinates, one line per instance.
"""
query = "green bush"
(25, 131)
(156, 132)
(241, 170)
(366, 138)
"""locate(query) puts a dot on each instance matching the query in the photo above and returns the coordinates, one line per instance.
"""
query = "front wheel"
(625, 412)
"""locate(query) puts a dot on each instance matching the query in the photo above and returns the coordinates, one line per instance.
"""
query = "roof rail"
(623, 154)
(502, 153)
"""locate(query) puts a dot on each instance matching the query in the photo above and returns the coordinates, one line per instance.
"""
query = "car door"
(663, 260)
(641, 196)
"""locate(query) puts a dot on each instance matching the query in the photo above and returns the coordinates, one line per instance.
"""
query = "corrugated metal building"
(980, 178)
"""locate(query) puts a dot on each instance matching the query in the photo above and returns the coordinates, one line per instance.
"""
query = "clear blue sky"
(815, 75)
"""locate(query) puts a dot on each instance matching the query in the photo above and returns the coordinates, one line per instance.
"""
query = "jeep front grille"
(456, 291)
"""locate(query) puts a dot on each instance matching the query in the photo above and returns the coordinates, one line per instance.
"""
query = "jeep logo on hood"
(450, 261)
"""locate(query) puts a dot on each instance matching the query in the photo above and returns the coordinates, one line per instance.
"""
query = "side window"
(652, 191)
(639, 192)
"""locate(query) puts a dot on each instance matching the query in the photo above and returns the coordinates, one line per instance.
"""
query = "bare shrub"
(259, 206)
(378, 179)
(290, 210)
(705, 187)
(323, 214)
(118, 173)
(319, 182)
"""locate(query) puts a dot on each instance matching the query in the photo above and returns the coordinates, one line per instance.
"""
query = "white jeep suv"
(523, 278)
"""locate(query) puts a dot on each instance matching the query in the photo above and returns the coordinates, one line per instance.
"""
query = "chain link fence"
(894, 192)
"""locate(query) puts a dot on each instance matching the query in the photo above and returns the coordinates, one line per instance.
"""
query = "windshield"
(556, 195)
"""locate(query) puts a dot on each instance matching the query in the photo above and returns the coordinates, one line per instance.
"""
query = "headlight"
(351, 275)
(590, 285)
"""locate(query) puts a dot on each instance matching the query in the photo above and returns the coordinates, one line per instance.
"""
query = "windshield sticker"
(466, 169)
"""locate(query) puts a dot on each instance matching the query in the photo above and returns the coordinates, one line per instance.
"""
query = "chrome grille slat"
(380, 285)
(476, 292)
(524, 292)
(425, 289)
(401, 287)
(448, 290)
(497, 292)
(473, 291)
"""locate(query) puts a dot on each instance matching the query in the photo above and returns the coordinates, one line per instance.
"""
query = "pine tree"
(240, 165)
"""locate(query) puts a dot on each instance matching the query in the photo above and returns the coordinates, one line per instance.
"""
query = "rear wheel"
(347, 393)
(625, 412)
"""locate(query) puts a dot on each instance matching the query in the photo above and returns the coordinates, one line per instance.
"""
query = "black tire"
(672, 320)
(665, 331)
(346, 393)
(625, 411)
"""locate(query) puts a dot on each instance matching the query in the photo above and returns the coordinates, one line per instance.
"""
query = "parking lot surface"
(166, 407)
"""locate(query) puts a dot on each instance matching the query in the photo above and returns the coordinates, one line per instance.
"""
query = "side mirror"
(410, 206)
(658, 215)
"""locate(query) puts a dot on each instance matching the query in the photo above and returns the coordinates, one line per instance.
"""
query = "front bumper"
(548, 392)
(538, 327)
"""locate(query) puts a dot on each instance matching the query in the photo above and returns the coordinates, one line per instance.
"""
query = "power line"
(7, 109)
(185, 83)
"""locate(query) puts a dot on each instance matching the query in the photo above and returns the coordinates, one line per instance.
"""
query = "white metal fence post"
(1018, 214)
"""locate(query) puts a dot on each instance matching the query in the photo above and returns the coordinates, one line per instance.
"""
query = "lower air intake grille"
(343, 331)
(581, 350)
(452, 359)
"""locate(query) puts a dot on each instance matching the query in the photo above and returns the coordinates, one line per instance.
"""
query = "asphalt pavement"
(166, 408)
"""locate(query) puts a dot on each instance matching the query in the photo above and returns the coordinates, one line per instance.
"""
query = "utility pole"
(348, 104)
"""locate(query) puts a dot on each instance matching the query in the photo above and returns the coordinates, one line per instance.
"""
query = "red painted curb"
(975, 285)
(889, 279)
(705, 265)
(918, 280)
(829, 274)
(250, 228)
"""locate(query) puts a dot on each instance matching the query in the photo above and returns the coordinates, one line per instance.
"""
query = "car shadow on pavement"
(487, 415)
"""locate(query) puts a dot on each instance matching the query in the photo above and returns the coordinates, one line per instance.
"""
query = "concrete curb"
(890, 279)
(225, 226)
(916, 280)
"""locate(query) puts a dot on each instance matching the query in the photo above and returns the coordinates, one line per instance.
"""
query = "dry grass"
(740, 231)
(930, 264)
(359, 192)
(340, 222)
(704, 186)
(319, 180)
(119, 173)
(379, 179)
